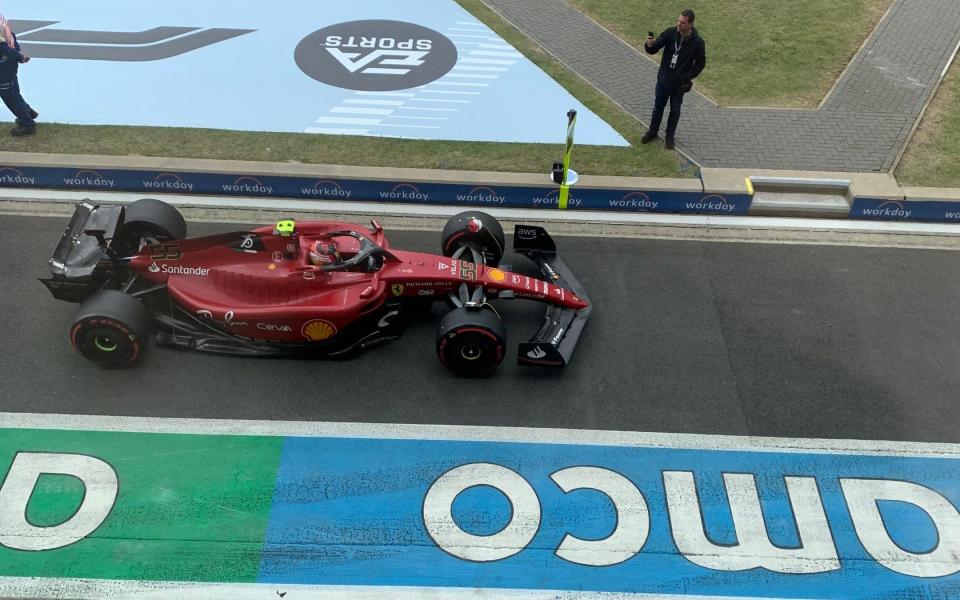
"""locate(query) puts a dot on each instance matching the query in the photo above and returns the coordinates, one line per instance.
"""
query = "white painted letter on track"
(633, 517)
(100, 491)
(440, 524)
(862, 496)
(817, 552)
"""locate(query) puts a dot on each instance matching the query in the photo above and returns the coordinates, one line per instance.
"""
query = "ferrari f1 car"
(324, 288)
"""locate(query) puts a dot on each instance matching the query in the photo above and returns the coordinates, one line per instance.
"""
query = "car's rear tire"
(471, 342)
(111, 329)
(149, 220)
(477, 229)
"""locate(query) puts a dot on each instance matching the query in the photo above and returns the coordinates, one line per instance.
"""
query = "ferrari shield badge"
(397, 289)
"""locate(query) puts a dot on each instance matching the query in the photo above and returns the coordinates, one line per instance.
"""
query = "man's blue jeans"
(10, 94)
(660, 103)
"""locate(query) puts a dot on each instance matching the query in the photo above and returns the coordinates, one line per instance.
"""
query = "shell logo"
(496, 275)
(318, 330)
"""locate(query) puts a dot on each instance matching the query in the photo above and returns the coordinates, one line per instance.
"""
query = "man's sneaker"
(648, 137)
(669, 143)
(21, 130)
(34, 114)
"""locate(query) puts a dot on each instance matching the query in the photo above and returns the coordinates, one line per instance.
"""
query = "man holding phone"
(684, 57)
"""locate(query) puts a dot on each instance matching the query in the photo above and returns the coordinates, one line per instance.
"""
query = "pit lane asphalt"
(686, 336)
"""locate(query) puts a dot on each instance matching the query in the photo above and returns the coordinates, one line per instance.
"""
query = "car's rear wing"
(553, 344)
(77, 254)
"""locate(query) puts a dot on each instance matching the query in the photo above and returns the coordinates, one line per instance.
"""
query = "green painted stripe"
(189, 507)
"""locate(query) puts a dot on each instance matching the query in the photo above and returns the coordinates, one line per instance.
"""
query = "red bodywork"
(261, 285)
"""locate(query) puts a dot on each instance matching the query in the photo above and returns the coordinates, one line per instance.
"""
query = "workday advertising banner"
(899, 210)
(455, 194)
(354, 511)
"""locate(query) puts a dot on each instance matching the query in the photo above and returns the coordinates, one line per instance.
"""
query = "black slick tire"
(471, 342)
(476, 229)
(111, 329)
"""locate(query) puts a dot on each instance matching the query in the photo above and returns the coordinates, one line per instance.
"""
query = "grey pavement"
(690, 337)
(862, 125)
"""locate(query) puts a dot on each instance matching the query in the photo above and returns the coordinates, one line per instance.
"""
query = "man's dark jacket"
(691, 60)
(10, 58)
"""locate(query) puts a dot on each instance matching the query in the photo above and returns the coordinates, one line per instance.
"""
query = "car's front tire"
(111, 329)
(471, 342)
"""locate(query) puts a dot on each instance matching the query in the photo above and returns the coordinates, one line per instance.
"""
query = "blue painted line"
(350, 512)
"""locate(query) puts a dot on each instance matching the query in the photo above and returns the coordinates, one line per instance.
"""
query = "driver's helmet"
(324, 253)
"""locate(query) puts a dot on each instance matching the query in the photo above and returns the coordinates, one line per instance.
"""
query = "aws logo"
(375, 55)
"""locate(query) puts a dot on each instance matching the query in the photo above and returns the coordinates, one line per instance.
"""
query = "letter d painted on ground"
(100, 483)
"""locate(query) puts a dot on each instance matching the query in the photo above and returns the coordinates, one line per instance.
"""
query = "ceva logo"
(168, 181)
(13, 176)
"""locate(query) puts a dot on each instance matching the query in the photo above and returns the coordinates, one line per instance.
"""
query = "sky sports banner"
(423, 69)
(902, 210)
(312, 188)
(339, 510)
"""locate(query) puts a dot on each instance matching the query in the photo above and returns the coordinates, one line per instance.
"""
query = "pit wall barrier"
(716, 191)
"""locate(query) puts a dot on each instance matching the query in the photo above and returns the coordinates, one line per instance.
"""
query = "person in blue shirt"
(10, 59)
(684, 57)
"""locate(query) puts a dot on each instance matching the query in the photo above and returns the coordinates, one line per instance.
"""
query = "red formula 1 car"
(320, 287)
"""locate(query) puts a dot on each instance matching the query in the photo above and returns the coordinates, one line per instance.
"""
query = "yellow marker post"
(564, 186)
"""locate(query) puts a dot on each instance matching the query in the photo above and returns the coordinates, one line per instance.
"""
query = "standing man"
(10, 59)
(684, 56)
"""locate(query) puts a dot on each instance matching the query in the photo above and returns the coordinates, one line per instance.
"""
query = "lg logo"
(376, 55)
